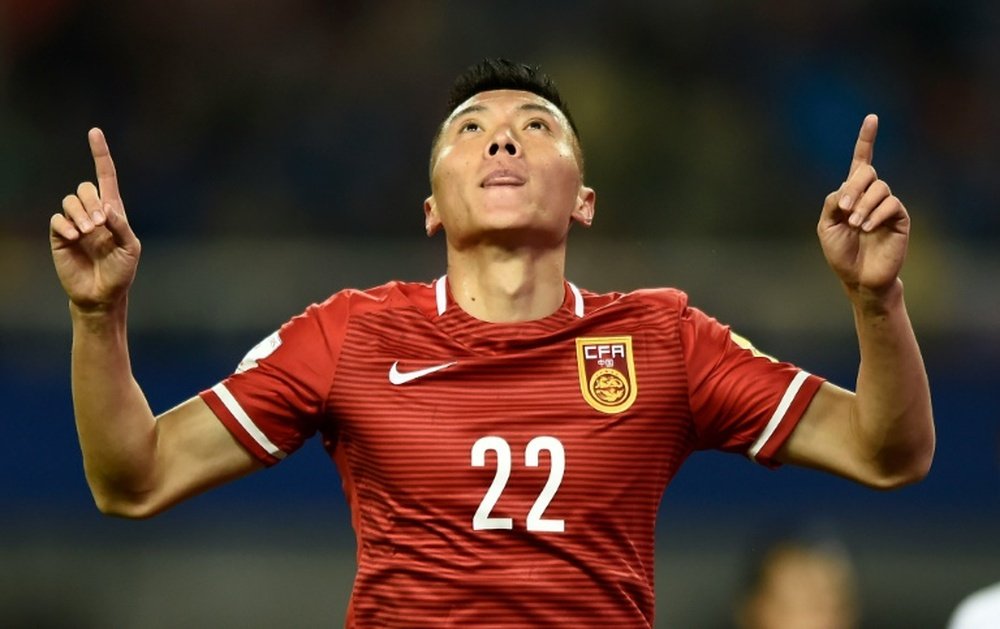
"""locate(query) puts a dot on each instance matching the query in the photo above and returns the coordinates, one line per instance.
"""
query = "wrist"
(98, 317)
(876, 302)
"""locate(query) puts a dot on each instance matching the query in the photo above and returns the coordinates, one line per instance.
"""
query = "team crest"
(607, 372)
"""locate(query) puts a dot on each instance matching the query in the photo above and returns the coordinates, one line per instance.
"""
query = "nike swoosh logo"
(398, 377)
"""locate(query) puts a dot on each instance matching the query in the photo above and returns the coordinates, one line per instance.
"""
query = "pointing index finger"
(107, 178)
(864, 149)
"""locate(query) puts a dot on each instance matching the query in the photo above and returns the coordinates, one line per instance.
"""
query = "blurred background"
(271, 153)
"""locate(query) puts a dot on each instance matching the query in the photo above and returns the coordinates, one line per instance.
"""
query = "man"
(503, 437)
(801, 583)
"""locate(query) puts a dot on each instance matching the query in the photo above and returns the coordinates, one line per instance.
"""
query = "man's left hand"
(864, 229)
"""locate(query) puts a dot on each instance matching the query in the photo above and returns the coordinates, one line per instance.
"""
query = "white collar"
(441, 293)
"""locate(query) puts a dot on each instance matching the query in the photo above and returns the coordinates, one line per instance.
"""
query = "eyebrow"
(539, 107)
(467, 110)
(471, 109)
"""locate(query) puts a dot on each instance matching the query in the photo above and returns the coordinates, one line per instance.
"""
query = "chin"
(514, 235)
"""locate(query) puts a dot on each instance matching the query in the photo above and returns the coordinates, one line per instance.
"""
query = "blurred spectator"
(800, 585)
(979, 610)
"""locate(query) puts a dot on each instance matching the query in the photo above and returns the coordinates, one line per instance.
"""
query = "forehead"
(502, 101)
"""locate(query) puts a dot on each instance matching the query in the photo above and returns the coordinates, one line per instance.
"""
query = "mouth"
(502, 177)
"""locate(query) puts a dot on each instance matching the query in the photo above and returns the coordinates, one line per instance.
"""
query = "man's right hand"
(94, 249)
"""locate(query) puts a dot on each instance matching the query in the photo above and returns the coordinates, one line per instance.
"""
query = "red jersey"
(507, 475)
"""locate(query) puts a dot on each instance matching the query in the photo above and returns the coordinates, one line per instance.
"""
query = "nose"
(503, 142)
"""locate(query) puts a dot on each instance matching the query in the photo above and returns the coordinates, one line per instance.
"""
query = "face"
(505, 171)
(806, 591)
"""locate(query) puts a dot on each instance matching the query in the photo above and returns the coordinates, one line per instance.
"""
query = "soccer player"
(503, 436)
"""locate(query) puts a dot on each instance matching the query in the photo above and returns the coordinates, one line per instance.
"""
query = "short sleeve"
(741, 399)
(276, 397)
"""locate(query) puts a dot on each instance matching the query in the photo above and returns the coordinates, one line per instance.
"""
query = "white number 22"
(481, 520)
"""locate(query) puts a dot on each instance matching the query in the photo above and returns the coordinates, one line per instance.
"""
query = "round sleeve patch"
(259, 351)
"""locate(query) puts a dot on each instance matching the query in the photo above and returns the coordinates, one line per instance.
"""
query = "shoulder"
(663, 300)
(665, 310)
(388, 296)
(325, 323)
(670, 298)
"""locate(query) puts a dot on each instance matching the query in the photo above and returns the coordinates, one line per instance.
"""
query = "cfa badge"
(607, 372)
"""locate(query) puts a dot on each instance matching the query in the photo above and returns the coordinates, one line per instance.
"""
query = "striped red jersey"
(507, 475)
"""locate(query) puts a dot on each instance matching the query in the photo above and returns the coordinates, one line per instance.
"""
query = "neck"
(504, 286)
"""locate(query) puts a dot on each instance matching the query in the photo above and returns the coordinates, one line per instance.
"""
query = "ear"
(583, 213)
(432, 222)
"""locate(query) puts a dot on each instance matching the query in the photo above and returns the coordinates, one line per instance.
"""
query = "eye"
(537, 124)
(466, 127)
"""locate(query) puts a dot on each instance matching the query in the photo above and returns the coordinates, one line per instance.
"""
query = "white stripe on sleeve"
(779, 414)
(241, 416)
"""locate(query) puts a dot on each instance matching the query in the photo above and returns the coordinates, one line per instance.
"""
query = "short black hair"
(503, 74)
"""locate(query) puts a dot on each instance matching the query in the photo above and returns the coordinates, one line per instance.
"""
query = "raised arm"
(136, 464)
(883, 434)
